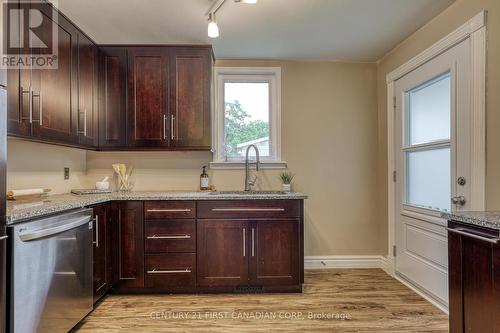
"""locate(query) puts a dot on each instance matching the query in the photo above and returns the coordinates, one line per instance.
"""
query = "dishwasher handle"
(44, 232)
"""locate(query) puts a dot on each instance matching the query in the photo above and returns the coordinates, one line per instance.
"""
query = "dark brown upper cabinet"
(42, 103)
(112, 97)
(148, 94)
(54, 94)
(87, 92)
(118, 97)
(190, 98)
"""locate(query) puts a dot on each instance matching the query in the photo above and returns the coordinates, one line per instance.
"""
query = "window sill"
(241, 165)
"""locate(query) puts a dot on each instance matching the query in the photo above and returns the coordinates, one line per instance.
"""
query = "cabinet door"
(54, 91)
(190, 102)
(101, 251)
(496, 286)
(477, 286)
(18, 120)
(148, 90)
(87, 91)
(222, 253)
(274, 252)
(112, 97)
(474, 302)
(128, 249)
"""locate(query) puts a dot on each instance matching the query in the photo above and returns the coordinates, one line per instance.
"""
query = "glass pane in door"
(428, 178)
(429, 111)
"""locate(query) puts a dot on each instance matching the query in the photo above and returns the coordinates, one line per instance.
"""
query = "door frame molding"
(475, 29)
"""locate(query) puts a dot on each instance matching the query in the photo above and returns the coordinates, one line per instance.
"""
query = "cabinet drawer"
(165, 236)
(248, 209)
(169, 210)
(170, 270)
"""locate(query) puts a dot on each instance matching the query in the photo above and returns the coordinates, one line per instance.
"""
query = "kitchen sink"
(247, 192)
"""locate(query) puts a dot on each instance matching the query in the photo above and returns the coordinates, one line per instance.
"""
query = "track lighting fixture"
(213, 28)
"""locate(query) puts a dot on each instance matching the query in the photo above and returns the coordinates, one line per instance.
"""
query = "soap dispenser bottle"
(204, 180)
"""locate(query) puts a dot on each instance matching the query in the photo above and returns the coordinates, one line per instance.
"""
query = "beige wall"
(34, 165)
(329, 135)
(450, 19)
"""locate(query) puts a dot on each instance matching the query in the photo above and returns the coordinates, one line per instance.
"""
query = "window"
(247, 112)
(427, 144)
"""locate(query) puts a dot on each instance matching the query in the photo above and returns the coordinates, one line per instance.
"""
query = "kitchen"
(252, 177)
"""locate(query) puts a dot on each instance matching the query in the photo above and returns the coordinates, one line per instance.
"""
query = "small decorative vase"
(287, 188)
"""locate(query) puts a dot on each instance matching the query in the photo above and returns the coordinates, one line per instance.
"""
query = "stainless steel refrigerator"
(3, 171)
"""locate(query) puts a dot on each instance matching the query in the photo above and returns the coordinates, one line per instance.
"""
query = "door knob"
(458, 200)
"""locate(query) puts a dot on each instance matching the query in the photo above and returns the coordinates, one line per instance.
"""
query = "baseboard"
(355, 261)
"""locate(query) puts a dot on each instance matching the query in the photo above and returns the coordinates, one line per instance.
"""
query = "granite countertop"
(18, 211)
(489, 219)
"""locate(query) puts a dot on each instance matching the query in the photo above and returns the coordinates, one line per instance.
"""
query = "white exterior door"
(432, 156)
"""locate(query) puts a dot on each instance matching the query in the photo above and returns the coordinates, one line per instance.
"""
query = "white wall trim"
(478, 120)
(347, 261)
(461, 33)
(475, 29)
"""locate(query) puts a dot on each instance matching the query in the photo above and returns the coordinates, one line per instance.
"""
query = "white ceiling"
(351, 30)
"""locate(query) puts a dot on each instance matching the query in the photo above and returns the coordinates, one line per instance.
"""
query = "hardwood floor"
(354, 300)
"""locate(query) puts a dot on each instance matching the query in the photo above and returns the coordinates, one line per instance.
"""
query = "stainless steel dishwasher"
(51, 276)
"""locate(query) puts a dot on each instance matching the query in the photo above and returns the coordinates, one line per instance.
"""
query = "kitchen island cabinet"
(474, 278)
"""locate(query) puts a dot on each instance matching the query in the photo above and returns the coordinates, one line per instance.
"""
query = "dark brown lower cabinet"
(102, 251)
(250, 243)
(274, 253)
(474, 279)
(222, 253)
(128, 244)
(199, 246)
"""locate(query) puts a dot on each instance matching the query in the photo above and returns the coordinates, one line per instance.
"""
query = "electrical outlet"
(66, 173)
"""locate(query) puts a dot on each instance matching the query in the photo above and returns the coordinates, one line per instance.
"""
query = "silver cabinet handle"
(172, 134)
(253, 242)
(170, 271)
(96, 231)
(4, 237)
(21, 104)
(164, 127)
(464, 232)
(84, 132)
(40, 108)
(169, 237)
(39, 233)
(244, 242)
(30, 102)
(85, 122)
(183, 210)
(248, 209)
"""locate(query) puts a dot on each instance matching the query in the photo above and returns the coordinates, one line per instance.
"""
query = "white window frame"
(272, 75)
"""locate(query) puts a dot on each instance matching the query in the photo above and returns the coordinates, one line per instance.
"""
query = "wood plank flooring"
(354, 300)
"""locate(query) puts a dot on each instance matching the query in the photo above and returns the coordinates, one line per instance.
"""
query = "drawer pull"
(464, 232)
(170, 237)
(170, 271)
(186, 210)
(248, 209)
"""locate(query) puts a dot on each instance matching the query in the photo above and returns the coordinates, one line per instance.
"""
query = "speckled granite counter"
(25, 210)
(484, 219)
